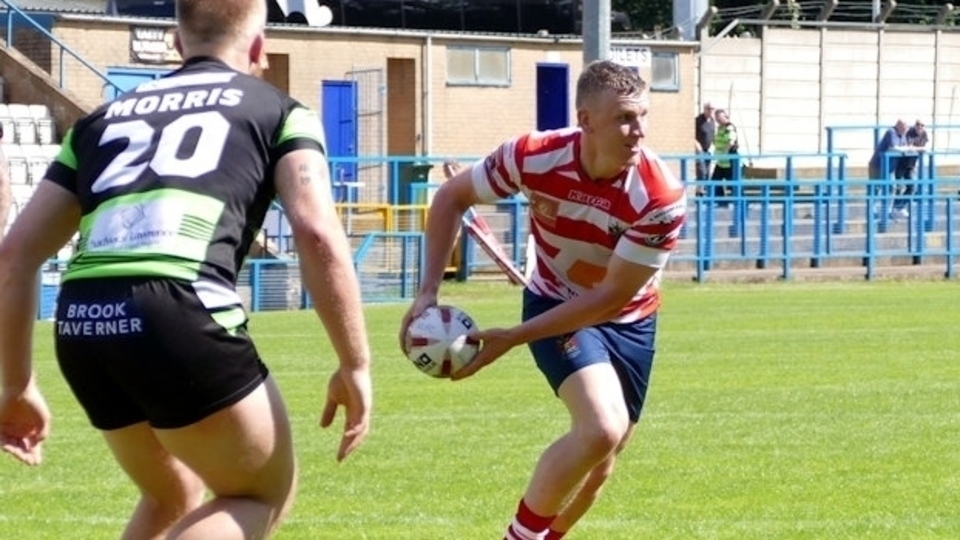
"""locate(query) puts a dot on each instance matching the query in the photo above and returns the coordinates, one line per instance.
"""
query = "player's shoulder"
(655, 173)
(544, 149)
(537, 142)
(650, 163)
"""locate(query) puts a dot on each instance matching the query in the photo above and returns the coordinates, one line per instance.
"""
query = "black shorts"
(136, 350)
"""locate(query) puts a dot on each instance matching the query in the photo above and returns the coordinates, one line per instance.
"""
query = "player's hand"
(494, 343)
(24, 424)
(419, 305)
(352, 390)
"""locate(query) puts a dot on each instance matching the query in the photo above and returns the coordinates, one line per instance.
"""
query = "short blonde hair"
(219, 22)
(606, 75)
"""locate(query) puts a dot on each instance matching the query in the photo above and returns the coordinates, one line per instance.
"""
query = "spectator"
(706, 130)
(151, 334)
(6, 192)
(907, 168)
(894, 138)
(725, 143)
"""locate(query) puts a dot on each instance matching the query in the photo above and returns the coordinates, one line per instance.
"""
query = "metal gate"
(371, 134)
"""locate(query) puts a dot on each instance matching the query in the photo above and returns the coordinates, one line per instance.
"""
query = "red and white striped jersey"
(579, 223)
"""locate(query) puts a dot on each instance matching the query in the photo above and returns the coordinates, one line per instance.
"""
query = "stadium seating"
(29, 145)
(27, 123)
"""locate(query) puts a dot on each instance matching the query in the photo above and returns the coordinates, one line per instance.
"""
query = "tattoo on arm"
(304, 174)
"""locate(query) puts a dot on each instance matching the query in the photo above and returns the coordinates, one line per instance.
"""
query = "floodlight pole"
(596, 30)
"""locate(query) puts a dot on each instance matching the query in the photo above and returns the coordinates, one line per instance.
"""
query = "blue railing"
(798, 219)
(13, 11)
(782, 224)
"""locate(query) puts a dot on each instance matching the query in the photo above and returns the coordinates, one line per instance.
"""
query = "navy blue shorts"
(135, 350)
(628, 347)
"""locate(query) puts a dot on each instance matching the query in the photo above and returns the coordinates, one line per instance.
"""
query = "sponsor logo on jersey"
(493, 163)
(96, 319)
(544, 209)
(616, 229)
(595, 201)
(569, 346)
(667, 214)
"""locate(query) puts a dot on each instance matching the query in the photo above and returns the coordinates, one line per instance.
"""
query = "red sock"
(527, 525)
(554, 535)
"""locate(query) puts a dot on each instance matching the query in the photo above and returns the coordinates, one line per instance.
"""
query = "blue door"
(128, 79)
(553, 96)
(339, 107)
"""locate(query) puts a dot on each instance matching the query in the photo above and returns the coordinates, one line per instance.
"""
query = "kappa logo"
(588, 199)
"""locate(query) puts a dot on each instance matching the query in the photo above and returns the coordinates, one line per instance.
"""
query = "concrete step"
(853, 272)
(853, 210)
(725, 228)
(891, 241)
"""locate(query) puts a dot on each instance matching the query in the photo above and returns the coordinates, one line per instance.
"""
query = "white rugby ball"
(436, 342)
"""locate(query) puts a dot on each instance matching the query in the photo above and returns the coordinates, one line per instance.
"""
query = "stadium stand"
(29, 146)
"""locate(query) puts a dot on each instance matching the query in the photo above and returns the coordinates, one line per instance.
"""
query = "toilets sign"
(635, 57)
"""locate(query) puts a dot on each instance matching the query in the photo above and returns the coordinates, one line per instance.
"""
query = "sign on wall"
(152, 45)
(636, 57)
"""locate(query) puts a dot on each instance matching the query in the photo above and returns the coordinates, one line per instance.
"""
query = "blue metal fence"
(781, 220)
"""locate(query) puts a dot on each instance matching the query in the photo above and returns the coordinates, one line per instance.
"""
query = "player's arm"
(600, 304)
(47, 222)
(326, 262)
(326, 266)
(450, 202)
(42, 227)
(633, 264)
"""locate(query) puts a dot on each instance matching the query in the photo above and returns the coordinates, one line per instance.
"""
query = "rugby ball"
(437, 342)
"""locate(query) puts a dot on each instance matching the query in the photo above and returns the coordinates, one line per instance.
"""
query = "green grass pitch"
(776, 411)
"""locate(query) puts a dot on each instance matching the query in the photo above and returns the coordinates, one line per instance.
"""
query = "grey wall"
(783, 90)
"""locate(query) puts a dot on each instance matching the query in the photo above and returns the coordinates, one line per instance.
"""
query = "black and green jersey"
(174, 177)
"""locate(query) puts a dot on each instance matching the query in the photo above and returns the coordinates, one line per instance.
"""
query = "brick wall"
(464, 120)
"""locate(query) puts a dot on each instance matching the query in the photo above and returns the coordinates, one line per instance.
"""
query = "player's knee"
(170, 506)
(601, 438)
(180, 496)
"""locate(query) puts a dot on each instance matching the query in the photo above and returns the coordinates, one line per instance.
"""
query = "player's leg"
(588, 492)
(87, 358)
(169, 490)
(200, 385)
(599, 421)
(244, 454)
(577, 368)
(631, 349)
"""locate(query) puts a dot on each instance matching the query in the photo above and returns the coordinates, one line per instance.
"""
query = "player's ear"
(257, 55)
(583, 119)
(177, 43)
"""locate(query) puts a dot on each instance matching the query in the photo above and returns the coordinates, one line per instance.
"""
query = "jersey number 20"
(213, 128)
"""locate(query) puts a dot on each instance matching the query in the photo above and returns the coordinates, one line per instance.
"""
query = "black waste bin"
(416, 172)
